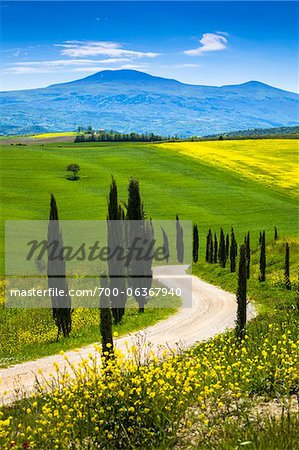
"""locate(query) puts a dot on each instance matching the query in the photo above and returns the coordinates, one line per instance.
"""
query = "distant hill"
(128, 100)
(292, 132)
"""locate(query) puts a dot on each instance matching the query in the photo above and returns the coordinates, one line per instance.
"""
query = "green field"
(171, 183)
(215, 395)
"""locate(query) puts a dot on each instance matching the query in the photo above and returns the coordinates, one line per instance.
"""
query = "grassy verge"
(270, 296)
(221, 394)
(31, 334)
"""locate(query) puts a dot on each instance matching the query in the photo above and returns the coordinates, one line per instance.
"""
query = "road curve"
(212, 312)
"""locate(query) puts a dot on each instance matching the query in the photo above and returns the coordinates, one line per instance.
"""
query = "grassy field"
(222, 394)
(273, 162)
(171, 183)
(31, 334)
(219, 394)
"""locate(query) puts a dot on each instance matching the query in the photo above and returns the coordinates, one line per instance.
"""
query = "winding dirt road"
(213, 311)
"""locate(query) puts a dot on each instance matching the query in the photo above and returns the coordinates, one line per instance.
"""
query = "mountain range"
(129, 100)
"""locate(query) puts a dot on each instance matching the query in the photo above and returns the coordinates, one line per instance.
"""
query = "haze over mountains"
(128, 100)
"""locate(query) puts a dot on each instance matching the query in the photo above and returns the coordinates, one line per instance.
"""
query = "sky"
(208, 43)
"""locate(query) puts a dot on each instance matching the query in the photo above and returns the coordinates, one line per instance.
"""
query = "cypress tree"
(232, 256)
(116, 266)
(287, 267)
(209, 247)
(227, 246)
(179, 241)
(262, 276)
(140, 269)
(61, 305)
(260, 238)
(222, 250)
(275, 234)
(134, 207)
(215, 250)
(248, 257)
(233, 239)
(241, 294)
(106, 319)
(165, 245)
(195, 243)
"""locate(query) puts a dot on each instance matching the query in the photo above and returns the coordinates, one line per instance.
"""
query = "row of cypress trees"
(222, 249)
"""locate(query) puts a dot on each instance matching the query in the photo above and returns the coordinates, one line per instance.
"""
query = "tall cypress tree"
(232, 256)
(248, 256)
(116, 266)
(179, 241)
(241, 294)
(61, 305)
(233, 251)
(215, 250)
(260, 238)
(275, 234)
(209, 247)
(140, 268)
(134, 207)
(227, 246)
(106, 319)
(195, 243)
(287, 267)
(262, 276)
(165, 245)
(222, 250)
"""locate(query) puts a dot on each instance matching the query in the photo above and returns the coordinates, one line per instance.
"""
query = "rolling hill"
(128, 100)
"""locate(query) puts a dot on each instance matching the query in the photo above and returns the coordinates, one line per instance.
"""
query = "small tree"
(262, 276)
(287, 267)
(195, 243)
(275, 234)
(75, 169)
(241, 294)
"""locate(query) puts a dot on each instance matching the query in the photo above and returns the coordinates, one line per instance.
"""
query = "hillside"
(128, 100)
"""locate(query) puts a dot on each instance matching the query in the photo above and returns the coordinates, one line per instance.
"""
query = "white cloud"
(98, 69)
(210, 42)
(95, 48)
(73, 65)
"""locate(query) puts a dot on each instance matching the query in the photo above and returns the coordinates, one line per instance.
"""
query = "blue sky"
(211, 43)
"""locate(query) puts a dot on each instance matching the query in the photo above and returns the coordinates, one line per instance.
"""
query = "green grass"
(31, 334)
(212, 196)
(171, 184)
(269, 296)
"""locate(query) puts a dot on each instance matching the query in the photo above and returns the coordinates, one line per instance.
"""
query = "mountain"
(128, 100)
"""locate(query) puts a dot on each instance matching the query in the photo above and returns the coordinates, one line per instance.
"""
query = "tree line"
(223, 248)
(91, 135)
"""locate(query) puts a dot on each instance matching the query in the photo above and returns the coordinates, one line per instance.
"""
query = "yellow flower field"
(54, 135)
(270, 161)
